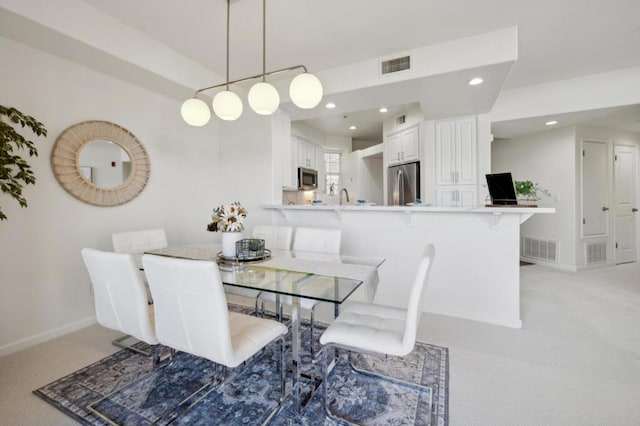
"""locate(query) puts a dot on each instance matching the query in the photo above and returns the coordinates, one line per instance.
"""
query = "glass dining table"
(295, 275)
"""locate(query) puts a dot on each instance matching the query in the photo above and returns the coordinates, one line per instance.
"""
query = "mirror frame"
(66, 152)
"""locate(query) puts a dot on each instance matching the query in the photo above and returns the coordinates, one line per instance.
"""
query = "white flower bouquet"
(228, 218)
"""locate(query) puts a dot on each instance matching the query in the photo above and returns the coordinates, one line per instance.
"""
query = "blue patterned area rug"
(126, 389)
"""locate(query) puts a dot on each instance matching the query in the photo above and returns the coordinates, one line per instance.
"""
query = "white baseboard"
(47, 335)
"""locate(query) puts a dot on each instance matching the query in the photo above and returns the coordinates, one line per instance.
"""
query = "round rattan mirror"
(128, 159)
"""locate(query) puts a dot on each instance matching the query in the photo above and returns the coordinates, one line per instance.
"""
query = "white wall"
(412, 117)
(307, 132)
(548, 158)
(44, 285)
(246, 170)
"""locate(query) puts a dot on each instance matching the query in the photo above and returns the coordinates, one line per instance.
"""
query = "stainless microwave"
(307, 179)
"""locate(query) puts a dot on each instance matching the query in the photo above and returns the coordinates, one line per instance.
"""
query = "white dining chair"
(378, 329)
(136, 243)
(120, 298)
(192, 316)
(275, 237)
(317, 240)
(321, 241)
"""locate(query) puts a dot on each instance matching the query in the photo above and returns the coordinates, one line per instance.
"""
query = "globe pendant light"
(195, 112)
(263, 97)
(227, 105)
(305, 91)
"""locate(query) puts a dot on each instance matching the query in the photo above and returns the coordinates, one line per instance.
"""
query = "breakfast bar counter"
(475, 274)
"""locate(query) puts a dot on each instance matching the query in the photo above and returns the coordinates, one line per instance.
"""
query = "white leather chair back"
(190, 307)
(119, 294)
(139, 241)
(317, 240)
(275, 237)
(417, 297)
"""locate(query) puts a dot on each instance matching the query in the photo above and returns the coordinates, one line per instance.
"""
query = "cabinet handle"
(634, 210)
(604, 209)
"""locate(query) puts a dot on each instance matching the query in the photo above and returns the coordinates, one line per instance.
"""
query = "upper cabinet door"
(466, 151)
(394, 149)
(411, 145)
(403, 147)
(305, 153)
(445, 145)
(455, 145)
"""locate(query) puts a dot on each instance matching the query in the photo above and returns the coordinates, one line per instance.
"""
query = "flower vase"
(229, 240)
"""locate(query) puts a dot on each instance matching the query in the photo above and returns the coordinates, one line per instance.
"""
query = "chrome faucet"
(345, 193)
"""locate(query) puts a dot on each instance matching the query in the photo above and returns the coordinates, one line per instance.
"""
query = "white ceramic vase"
(229, 240)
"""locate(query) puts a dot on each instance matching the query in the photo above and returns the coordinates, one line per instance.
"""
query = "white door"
(595, 195)
(625, 223)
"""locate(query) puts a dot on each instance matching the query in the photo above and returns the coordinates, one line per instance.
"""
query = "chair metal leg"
(153, 353)
(311, 321)
(385, 377)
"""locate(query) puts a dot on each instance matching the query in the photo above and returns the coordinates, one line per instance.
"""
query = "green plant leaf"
(15, 171)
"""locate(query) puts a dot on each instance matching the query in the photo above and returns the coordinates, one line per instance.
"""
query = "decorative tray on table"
(247, 251)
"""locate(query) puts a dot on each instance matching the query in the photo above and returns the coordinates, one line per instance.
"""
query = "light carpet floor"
(575, 362)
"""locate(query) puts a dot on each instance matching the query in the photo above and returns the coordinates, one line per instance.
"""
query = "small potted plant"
(528, 192)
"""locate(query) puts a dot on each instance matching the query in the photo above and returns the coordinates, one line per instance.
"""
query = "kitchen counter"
(524, 212)
(476, 272)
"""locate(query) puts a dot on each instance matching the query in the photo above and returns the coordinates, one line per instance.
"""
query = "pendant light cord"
(264, 40)
(228, 14)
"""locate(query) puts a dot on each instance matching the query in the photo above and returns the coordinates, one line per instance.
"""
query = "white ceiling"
(625, 118)
(557, 39)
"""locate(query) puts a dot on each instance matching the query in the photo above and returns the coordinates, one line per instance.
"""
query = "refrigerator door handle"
(400, 187)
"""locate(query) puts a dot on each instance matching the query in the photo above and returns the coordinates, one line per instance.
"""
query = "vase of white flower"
(229, 240)
(228, 220)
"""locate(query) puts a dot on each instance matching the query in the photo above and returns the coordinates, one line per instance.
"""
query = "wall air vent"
(596, 252)
(395, 65)
(536, 248)
(401, 119)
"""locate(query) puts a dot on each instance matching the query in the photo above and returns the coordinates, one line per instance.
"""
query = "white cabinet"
(455, 158)
(403, 147)
(455, 146)
(306, 154)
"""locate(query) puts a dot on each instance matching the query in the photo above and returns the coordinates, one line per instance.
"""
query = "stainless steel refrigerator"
(403, 184)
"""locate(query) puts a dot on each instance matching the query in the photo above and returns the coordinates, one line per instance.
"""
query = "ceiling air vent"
(395, 65)
(401, 119)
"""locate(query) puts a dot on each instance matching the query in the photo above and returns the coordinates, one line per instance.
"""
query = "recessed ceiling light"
(352, 127)
(330, 105)
(475, 81)
(383, 109)
(551, 123)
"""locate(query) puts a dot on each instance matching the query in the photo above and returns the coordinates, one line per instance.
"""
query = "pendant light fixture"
(305, 90)
(263, 97)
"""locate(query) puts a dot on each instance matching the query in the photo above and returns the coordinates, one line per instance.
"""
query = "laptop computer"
(501, 189)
